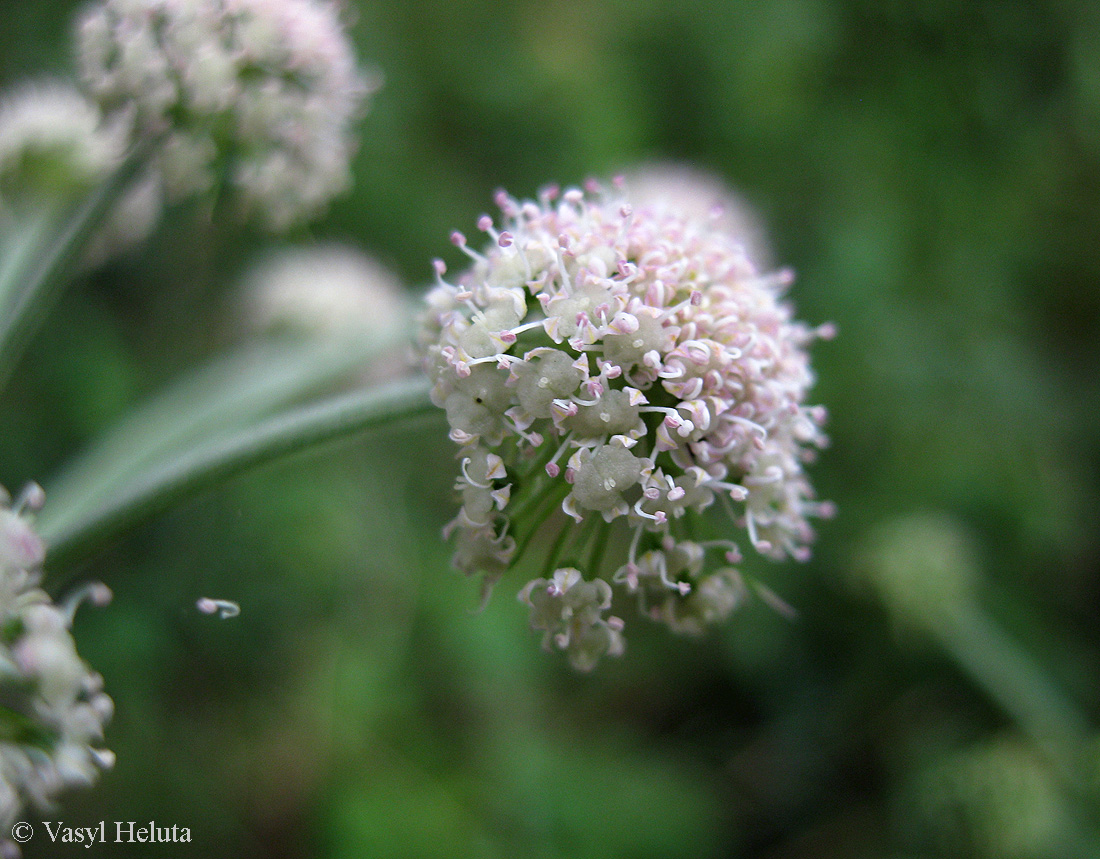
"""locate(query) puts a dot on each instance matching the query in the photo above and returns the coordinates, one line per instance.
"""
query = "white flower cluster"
(262, 91)
(54, 708)
(55, 146)
(570, 610)
(53, 141)
(628, 367)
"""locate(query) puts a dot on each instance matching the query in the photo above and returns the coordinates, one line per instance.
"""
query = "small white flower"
(569, 611)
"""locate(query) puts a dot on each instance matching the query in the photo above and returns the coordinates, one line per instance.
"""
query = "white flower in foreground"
(611, 372)
(54, 708)
(262, 91)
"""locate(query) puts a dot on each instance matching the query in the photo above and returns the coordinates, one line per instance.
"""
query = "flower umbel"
(53, 706)
(53, 143)
(264, 91)
(626, 369)
(55, 147)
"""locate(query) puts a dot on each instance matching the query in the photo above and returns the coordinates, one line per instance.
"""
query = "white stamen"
(465, 462)
(224, 608)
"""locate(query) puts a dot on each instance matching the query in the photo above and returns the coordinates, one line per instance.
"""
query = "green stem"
(532, 493)
(167, 484)
(24, 235)
(572, 552)
(556, 548)
(1020, 686)
(599, 547)
(37, 284)
(548, 501)
(229, 394)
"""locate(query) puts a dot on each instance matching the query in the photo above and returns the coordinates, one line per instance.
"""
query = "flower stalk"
(229, 394)
(1012, 678)
(214, 461)
(35, 286)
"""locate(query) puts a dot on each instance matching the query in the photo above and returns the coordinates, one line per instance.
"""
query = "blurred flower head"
(923, 567)
(55, 147)
(321, 291)
(54, 706)
(53, 142)
(620, 369)
(261, 91)
(701, 195)
(995, 798)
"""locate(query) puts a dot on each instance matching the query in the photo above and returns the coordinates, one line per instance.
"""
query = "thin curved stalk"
(24, 236)
(1010, 676)
(229, 393)
(206, 465)
(39, 280)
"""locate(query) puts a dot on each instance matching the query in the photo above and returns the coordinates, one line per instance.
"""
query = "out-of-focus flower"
(262, 91)
(323, 290)
(701, 195)
(55, 147)
(923, 566)
(54, 708)
(624, 367)
(53, 142)
(997, 798)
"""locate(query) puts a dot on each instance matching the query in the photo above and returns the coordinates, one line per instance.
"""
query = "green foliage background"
(931, 170)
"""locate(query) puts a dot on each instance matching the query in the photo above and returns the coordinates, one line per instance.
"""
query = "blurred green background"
(931, 170)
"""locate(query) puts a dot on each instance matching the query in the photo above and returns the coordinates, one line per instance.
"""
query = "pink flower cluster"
(630, 368)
